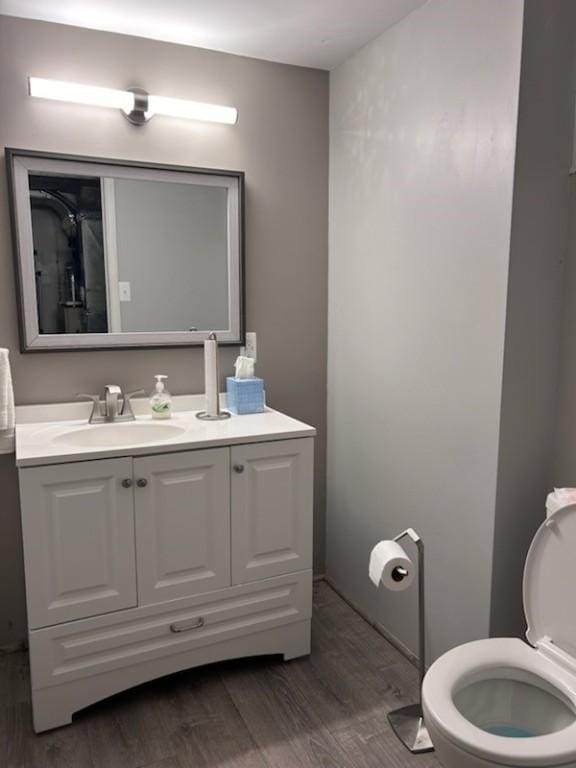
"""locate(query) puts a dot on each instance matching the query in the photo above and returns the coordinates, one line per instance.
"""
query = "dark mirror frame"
(30, 342)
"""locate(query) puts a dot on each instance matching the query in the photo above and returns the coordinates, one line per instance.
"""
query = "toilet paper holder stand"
(408, 722)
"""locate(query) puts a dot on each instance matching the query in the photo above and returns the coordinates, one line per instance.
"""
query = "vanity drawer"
(80, 649)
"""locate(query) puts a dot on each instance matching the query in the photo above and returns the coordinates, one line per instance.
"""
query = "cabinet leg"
(50, 710)
(299, 641)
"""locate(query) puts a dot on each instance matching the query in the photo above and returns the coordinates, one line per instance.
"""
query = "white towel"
(560, 498)
(7, 411)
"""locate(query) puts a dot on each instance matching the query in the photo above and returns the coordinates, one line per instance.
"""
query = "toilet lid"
(550, 582)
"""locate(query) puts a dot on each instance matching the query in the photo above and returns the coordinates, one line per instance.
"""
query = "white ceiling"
(312, 33)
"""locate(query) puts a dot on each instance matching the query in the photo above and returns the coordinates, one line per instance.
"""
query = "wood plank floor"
(325, 710)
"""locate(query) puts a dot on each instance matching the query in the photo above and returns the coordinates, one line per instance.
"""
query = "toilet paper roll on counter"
(390, 565)
(211, 374)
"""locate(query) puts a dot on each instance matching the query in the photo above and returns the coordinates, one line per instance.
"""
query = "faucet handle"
(127, 405)
(136, 392)
(96, 410)
(94, 398)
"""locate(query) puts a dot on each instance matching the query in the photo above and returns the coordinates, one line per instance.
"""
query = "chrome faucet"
(111, 394)
(113, 410)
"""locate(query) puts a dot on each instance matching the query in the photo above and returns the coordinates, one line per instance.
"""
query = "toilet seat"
(484, 659)
(539, 681)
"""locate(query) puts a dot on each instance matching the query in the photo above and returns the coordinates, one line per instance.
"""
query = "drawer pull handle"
(186, 626)
(142, 482)
(239, 468)
(127, 482)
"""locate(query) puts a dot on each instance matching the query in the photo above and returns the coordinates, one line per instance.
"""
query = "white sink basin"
(112, 435)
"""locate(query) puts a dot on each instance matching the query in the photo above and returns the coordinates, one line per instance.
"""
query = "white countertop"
(38, 426)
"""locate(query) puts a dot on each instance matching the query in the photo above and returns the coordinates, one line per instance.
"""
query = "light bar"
(136, 104)
(191, 110)
(59, 90)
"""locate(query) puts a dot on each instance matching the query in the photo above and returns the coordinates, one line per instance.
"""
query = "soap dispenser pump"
(160, 399)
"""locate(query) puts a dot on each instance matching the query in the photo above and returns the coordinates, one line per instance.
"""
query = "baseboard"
(382, 630)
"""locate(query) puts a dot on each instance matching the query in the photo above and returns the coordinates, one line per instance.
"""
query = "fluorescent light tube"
(129, 102)
(60, 90)
(191, 110)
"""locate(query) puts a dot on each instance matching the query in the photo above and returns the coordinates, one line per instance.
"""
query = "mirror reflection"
(68, 254)
(159, 264)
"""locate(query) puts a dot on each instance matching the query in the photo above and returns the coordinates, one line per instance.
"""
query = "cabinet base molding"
(55, 705)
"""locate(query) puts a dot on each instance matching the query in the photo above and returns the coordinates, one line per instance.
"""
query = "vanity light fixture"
(137, 105)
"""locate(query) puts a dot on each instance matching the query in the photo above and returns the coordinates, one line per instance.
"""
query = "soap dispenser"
(160, 399)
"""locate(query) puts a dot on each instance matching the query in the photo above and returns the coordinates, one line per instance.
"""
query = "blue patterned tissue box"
(245, 395)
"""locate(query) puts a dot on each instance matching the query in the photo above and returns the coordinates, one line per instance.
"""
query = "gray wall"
(172, 243)
(422, 137)
(564, 465)
(540, 222)
(281, 143)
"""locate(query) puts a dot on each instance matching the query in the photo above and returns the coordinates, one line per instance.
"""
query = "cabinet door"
(78, 530)
(182, 524)
(271, 508)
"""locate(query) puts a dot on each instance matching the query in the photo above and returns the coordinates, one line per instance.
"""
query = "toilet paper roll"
(390, 565)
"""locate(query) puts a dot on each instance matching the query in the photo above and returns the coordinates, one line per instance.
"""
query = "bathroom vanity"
(150, 552)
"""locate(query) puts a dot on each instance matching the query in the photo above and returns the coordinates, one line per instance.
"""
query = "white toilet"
(502, 702)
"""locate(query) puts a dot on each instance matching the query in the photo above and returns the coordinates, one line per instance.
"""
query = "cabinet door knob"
(239, 468)
(127, 482)
(142, 482)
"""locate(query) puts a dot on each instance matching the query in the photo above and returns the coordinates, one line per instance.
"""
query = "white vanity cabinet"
(141, 565)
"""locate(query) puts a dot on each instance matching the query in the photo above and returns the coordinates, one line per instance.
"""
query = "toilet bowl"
(504, 702)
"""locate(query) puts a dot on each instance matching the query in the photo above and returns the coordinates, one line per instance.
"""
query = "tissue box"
(245, 395)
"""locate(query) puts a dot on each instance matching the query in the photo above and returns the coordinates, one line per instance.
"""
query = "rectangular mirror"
(121, 254)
